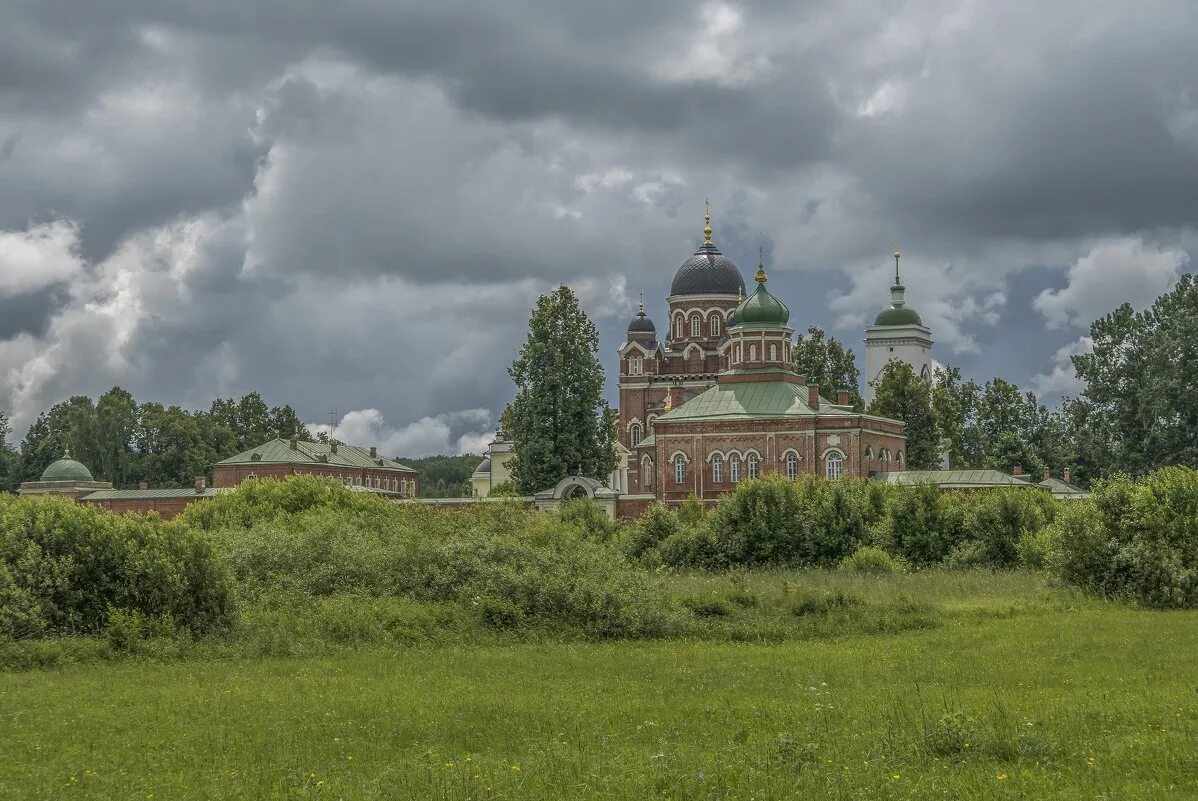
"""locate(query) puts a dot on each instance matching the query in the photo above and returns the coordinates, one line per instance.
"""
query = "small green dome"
(761, 309)
(67, 469)
(904, 315)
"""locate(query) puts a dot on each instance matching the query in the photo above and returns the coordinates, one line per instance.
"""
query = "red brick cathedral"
(718, 400)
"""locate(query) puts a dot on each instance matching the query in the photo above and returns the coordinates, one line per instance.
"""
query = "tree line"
(1137, 411)
(126, 442)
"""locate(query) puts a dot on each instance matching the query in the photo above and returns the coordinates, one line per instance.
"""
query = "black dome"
(708, 272)
(642, 323)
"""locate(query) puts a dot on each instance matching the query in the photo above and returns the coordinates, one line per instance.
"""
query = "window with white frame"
(634, 434)
(717, 469)
(752, 353)
(714, 326)
(635, 365)
(773, 352)
(646, 474)
(753, 462)
(833, 465)
(738, 352)
(678, 327)
(679, 469)
(696, 326)
(734, 468)
(792, 465)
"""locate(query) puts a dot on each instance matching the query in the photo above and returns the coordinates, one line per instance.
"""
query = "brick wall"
(230, 475)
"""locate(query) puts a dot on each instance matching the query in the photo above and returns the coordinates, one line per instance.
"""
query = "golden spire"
(761, 276)
(669, 402)
(707, 222)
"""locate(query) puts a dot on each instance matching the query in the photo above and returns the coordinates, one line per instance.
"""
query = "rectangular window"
(717, 469)
(679, 469)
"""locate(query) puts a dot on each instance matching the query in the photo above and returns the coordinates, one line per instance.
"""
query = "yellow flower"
(468, 759)
(1002, 777)
(320, 783)
(349, 758)
(897, 776)
(515, 768)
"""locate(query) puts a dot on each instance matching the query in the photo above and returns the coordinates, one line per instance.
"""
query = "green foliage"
(692, 511)
(64, 568)
(1000, 518)
(925, 524)
(652, 529)
(589, 518)
(444, 476)
(1133, 539)
(871, 560)
(902, 395)
(827, 363)
(559, 420)
(504, 489)
(1139, 378)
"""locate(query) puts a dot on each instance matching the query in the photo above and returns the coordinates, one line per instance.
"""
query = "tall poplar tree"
(560, 422)
(902, 395)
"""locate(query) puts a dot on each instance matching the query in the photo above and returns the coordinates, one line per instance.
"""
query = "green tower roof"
(762, 309)
(902, 315)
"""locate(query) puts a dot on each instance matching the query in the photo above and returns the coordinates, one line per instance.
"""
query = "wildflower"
(1002, 777)
(897, 776)
(468, 759)
(349, 758)
(515, 768)
(320, 783)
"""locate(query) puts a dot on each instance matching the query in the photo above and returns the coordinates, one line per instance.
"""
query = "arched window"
(752, 353)
(714, 325)
(773, 352)
(635, 365)
(833, 465)
(738, 354)
(652, 420)
(634, 434)
(717, 469)
(753, 464)
(869, 452)
(646, 474)
(734, 468)
(696, 326)
(679, 469)
(678, 327)
(792, 466)
(899, 456)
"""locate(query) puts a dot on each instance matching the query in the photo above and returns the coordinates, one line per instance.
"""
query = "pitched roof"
(279, 451)
(954, 478)
(1058, 487)
(750, 399)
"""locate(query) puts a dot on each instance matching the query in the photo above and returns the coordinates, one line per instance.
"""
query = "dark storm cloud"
(278, 195)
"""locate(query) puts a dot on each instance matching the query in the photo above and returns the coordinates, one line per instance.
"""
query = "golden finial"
(66, 452)
(761, 276)
(897, 255)
(707, 222)
(669, 402)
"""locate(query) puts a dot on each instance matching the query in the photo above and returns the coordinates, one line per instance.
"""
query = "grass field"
(1000, 688)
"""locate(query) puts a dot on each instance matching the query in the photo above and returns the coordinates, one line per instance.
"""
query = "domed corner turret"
(761, 309)
(641, 324)
(708, 271)
(67, 469)
(898, 312)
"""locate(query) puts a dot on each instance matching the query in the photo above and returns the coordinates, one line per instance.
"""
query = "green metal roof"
(750, 399)
(1058, 487)
(140, 494)
(954, 478)
(648, 442)
(279, 451)
(902, 316)
(66, 469)
(762, 310)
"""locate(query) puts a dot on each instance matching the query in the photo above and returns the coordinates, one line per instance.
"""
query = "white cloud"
(1112, 273)
(39, 256)
(716, 53)
(451, 433)
(1062, 378)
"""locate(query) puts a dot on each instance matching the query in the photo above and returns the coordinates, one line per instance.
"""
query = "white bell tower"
(898, 334)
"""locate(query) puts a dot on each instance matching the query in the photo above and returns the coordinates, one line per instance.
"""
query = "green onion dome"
(761, 308)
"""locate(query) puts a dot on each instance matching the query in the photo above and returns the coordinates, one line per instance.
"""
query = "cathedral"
(715, 398)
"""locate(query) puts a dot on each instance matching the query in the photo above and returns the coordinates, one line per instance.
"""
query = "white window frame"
(717, 469)
(833, 465)
(753, 353)
(753, 466)
(734, 468)
(713, 325)
(773, 352)
(696, 325)
(679, 469)
(634, 434)
(792, 465)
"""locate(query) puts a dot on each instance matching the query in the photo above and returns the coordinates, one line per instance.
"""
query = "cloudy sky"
(352, 206)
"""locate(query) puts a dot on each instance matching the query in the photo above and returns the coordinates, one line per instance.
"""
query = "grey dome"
(708, 272)
(643, 324)
(484, 466)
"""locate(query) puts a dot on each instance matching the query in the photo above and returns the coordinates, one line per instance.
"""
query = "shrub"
(871, 560)
(1134, 539)
(653, 528)
(707, 606)
(63, 567)
(589, 518)
(925, 523)
(1000, 518)
(967, 555)
(953, 734)
(692, 512)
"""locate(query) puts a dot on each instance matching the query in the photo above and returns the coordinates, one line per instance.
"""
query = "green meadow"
(814, 684)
